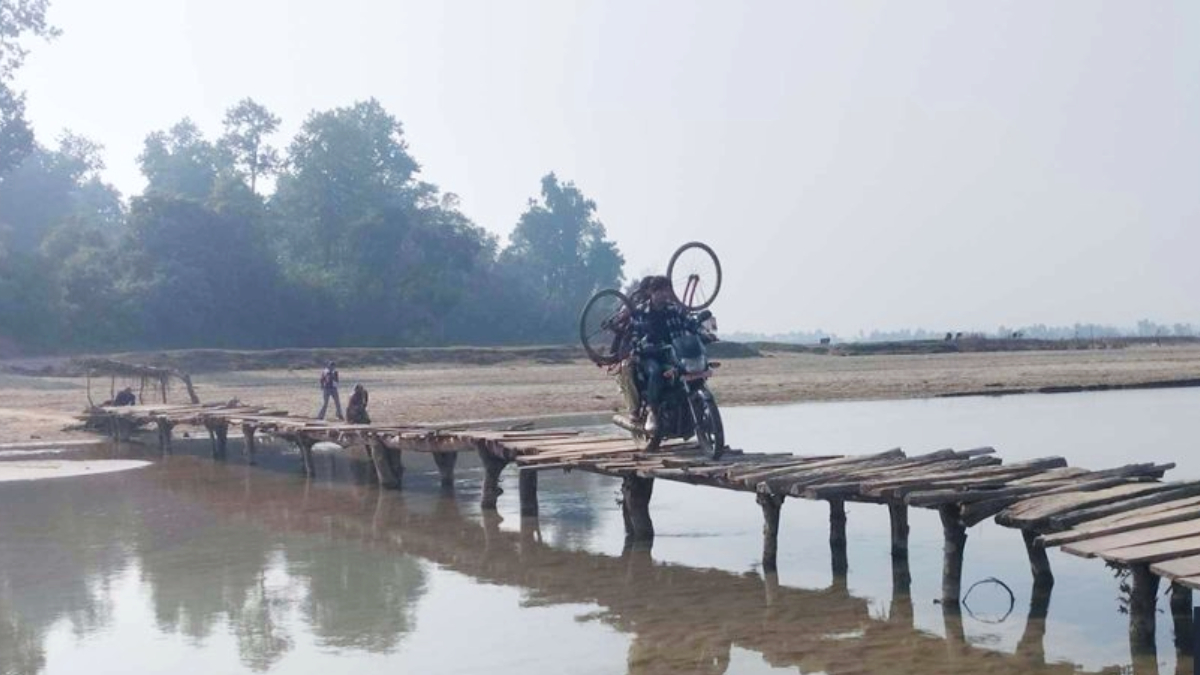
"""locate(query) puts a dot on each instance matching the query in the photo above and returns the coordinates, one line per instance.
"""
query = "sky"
(858, 165)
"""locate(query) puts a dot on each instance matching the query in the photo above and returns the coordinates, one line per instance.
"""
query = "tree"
(51, 187)
(247, 126)
(179, 162)
(560, 246)
(345, 166)
(17, 18)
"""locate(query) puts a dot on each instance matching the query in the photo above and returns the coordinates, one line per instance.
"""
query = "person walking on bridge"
(329, 389)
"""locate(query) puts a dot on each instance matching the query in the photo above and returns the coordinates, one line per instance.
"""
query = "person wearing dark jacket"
(655, 323)
(356, 408)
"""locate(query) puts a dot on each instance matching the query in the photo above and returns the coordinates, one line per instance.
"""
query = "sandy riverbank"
(39, 407)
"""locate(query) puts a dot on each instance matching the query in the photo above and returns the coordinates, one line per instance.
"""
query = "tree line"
(332, 239)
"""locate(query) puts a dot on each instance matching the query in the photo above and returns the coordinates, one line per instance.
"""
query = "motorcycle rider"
(656, 322)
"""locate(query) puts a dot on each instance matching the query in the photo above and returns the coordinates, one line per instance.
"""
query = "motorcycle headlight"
(696, 365)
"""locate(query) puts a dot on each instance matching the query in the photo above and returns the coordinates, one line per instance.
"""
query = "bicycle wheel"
(695, 274)
(604, 326)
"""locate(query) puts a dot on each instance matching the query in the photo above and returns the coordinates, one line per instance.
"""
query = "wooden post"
(383, 469)
(492, 466)
(221, 431)
(250, 446)
(635, 508)
(527, 486)
(771, 505)
(1039, 564)
(837, 538)
(902, 606)
(1181, 615)
(952, 553)
(212, 437)
(899, 519)
(1032, 642)
(164, 434)
(306, 445)
(445, 464)
(1142, 597)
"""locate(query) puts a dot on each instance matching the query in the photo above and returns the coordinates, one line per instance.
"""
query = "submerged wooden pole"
(1032, 642)
(899, 520)
(1181, 619)
(635, 508)
(306, 445)
(1039, 564)
(837, 537)
(445, 462)
(1142, 597)
(164, 434)
(221, 430)
(251, 449)
(952, 553)
(492, 466)
(771, 506)
(384, 471)
(527, 487)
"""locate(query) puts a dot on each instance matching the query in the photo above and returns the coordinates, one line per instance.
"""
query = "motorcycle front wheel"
(710, 432)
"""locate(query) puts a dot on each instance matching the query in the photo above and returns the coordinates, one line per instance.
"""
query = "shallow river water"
(189, 565)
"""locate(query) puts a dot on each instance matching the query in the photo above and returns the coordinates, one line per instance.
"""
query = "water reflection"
(274, 562)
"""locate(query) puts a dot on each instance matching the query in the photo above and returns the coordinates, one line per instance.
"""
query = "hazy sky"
(952, 165)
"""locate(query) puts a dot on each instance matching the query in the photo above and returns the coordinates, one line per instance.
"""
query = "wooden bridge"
(1125, 515)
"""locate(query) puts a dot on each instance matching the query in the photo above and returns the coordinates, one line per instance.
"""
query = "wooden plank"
(1190, 582)
(1188, 566)
(1179, 490)
(1171, 505)
(1145, 535)
(1030, 512)
(973, 513)
(1121, 525)
(1152, 553)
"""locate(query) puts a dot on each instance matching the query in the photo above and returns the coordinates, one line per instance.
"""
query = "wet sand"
(37, 408)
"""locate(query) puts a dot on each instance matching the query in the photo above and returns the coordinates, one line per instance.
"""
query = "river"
(191, 565)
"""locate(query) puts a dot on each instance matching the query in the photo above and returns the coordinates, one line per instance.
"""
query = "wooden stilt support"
(249, 443)
(492, 466)
(837, 538)
(221, 431)
(1142, 597)
(1181, 616)
(899, 519)
(902, 606)
(635, 508)
(771, 506)
(384, 473)
(1039, 564)
(212, 438)
(306, 446)
(164, 434)
(445, 464)
(1032, 643)
(527, 487)
(952, 553)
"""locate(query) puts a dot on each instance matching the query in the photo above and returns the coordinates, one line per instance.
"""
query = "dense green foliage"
(333, 240)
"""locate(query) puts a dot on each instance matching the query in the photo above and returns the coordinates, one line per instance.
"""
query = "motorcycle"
(688, 408)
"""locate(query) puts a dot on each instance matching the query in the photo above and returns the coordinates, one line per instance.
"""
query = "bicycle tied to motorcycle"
(687, 407)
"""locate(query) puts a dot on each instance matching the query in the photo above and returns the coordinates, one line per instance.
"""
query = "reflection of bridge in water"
(680, 619)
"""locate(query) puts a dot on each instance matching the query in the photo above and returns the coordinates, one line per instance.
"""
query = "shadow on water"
(208, 541)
